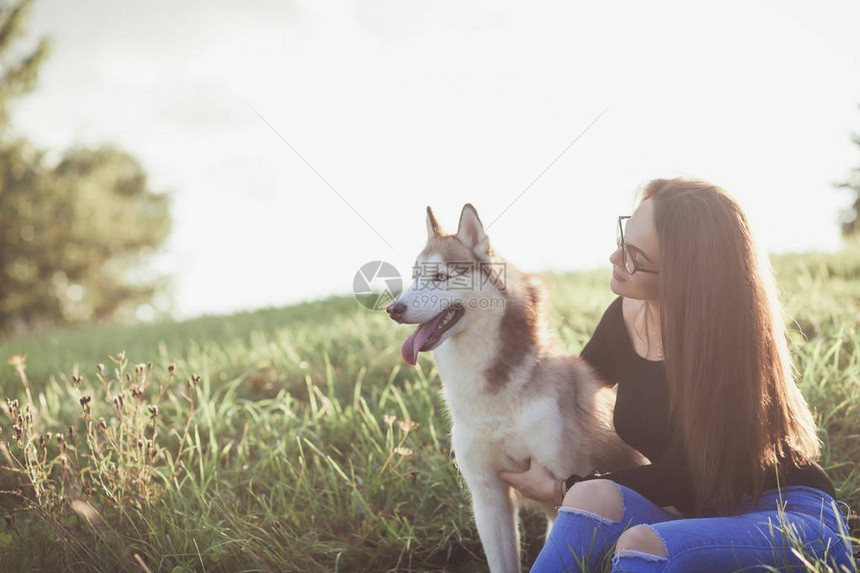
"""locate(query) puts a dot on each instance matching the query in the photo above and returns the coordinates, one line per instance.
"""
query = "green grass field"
(296, 439)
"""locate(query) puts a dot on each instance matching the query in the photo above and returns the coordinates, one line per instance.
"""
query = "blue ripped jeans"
(759, 536)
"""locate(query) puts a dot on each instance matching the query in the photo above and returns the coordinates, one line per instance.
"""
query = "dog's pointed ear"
(471, 231)
(434, 229)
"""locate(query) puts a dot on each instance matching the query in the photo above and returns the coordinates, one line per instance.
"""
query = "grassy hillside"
(296, 439)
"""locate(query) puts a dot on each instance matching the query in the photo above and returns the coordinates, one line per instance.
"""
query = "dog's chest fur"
(495, 427)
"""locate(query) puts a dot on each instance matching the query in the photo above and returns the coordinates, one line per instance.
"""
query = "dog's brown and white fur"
(512, 394)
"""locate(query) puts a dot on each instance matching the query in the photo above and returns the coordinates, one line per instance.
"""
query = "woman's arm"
(665, 482)
(536, 483)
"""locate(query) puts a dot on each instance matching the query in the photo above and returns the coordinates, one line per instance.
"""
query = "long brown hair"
(728, 368)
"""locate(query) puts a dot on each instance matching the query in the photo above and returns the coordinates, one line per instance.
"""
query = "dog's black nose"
(395, 310)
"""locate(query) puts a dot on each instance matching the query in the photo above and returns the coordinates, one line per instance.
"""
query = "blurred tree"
(74, 232)
(72, 235)
(851, 216)
(18, 73)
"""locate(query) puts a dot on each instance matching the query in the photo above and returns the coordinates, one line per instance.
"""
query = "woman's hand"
(536, 483)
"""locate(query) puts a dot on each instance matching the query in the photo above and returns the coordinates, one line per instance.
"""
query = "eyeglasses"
(628, 258)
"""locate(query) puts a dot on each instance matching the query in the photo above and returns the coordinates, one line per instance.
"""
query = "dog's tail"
(610, 452)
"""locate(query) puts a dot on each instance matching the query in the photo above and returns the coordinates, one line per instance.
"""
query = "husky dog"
(512, 394)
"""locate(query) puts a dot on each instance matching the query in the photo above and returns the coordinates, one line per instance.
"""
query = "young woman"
(696, 343)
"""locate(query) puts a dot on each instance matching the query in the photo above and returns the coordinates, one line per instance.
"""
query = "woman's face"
(640, 236)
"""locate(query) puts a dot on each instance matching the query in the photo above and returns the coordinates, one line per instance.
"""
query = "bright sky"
(399, 104)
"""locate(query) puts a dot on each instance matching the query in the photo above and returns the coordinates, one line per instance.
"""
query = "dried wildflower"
(389, 419)
(136, 391)
(118, 402)
(19, 432)
(196, 379)
(85, 404)
(171, 368)
(139, 444)
(407, 425)
(102, 425)
(128, 377)
(153, 412)
(71, 430)
(76, 380)
(403, 451)
(101, 368)
(17, 360)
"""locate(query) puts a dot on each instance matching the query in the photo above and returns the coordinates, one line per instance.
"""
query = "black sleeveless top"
(642, 420)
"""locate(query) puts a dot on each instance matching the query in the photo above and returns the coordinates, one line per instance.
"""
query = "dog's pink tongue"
(413, 344)
(416, 340)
